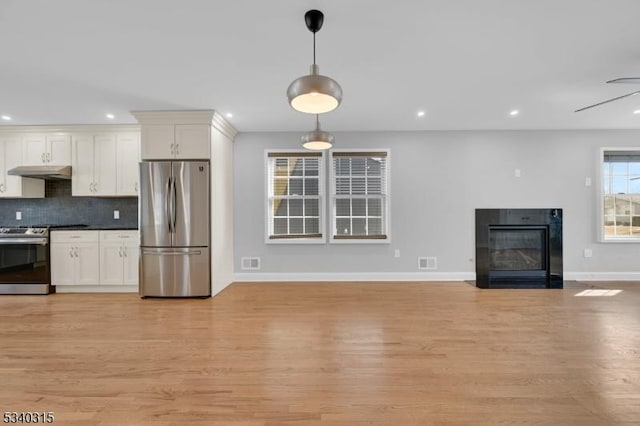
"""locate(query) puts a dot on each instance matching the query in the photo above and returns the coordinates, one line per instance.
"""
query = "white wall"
(438, 178)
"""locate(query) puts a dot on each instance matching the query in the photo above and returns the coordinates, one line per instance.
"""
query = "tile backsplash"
(60, 208)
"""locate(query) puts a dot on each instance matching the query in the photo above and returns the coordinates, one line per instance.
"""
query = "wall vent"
(427, 263)
(250, 263)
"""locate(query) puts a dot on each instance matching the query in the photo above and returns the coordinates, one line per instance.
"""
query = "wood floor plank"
(371, 353)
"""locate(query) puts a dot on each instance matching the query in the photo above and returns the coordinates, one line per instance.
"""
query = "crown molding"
(73, 128)
(224, 126)
(207, 116)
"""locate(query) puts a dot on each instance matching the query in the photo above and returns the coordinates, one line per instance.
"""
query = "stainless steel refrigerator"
(174, 229)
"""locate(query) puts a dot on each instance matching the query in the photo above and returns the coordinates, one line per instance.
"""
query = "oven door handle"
(29, 241)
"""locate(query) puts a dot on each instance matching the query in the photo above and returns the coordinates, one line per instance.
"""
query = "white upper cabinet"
(16, 186)
(46, 149)
(128, 159)
(105, 164)
(176, 141)
(192, 141)
(94, 165)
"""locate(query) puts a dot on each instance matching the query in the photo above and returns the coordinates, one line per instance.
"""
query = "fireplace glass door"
(518, 251)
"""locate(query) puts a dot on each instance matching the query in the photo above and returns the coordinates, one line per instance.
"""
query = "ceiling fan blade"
(632, 80)
(608, 100)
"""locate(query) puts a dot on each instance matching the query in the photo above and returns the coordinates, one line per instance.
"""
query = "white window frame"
(387, 198)
(601, 194)
(269, 238)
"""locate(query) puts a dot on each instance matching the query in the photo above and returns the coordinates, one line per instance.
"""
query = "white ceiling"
(467, 63)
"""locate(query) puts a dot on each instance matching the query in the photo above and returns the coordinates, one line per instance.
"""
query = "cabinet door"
(87, 264)
(104, 162)
(111, 260)
(128, 154)
(3, 168)
(34, 150)
(131, 257)
(192, 141)
(82, 166)
(62, 264)
(158, 141)
(11, 185)
(58, 150)
(16, 186)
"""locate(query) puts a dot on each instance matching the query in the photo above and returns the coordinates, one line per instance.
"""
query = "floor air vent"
(250, 263)
(427, 263)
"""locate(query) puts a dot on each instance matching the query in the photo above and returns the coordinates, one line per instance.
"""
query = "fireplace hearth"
(519, 248)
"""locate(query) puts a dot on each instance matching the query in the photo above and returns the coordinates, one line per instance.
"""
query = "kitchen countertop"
(96, 228)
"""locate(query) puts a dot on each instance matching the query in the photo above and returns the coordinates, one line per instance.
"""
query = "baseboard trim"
(412, 276)
(355, 276)
(96, 289)
(602, 276)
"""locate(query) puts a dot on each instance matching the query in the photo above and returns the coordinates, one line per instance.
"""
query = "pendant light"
(314, 93)
(317, 140)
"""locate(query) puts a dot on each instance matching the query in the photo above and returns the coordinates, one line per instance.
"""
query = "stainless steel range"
(24, 261)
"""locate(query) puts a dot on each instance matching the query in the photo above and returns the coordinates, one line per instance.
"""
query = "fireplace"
(519, 248)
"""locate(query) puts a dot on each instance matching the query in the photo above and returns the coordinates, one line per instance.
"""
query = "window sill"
(290, 241)
(361, 241)
(621, 240)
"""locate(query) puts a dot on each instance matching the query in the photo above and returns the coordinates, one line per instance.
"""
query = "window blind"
(360, 190)
(294, 195)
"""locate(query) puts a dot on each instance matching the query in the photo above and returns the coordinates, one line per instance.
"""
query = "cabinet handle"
(177, 149)
(125, 252)
(2, 188)
(71, 252)
(76, 252)
(42, 156)
(48, 157)
(135, 187)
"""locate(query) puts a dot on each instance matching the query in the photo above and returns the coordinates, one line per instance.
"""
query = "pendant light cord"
(314, 48)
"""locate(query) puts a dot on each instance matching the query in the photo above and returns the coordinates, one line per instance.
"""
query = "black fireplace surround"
(519, 248)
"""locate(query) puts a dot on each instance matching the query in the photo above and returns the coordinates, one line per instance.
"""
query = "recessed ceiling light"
(514, 112)
(111, 116)
(6, 118)
(420, 114)
(636, 111)
(229, 115)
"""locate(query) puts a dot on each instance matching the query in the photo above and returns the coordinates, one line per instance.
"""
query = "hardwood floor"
(326, 353)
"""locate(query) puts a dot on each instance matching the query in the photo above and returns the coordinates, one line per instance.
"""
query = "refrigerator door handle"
(174, 200)
(167, 208)
(172, 253)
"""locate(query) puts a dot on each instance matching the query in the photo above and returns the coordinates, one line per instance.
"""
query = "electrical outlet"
(588, 253)
(516, 172)
(396, 253)
(587, 181)
(116, 214)
(18, 215)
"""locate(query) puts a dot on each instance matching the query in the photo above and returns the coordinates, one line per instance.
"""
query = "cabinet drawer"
(113, 236)
(74, 236)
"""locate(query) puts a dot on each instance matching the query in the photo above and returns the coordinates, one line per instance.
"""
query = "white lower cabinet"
(119, 257)
(75, 258)
(94, 258)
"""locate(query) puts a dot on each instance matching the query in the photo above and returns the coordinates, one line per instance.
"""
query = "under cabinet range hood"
(42, 172)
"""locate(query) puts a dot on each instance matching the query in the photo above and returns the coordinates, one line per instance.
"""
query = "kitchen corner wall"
(59, 207)
(438, 179)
